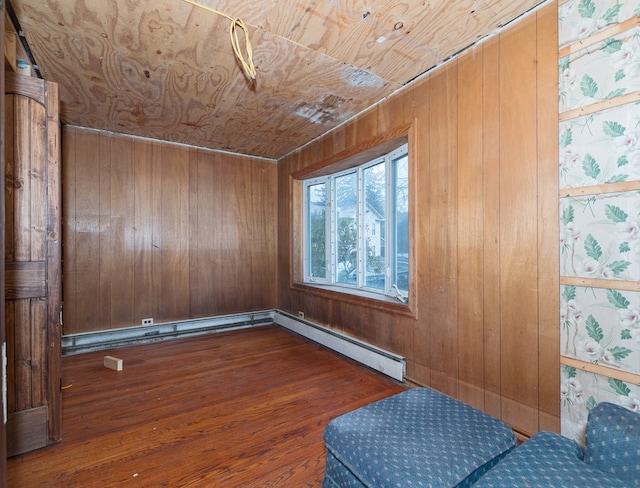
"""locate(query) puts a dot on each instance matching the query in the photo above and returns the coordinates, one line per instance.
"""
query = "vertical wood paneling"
(106, 234)
(165, 232)
(548, 232)
(203, 278)
(227, 232)
(69, 240)
(174, 230)
(470, 228)
(122, 234)
(157, 307)
(491, 226)
(418, 362)
(518, 225)
(194, 258)
(243, 175)
(442, 185)
(143, 225)
(485, 237)
(215, 219)
(88, 251)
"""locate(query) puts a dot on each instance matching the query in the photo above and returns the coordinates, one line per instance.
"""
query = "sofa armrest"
(613, 442)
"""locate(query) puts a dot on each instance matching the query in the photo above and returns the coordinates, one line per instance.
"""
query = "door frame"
(3, 343)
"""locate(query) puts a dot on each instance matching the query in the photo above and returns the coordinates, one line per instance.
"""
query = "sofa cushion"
(549, 460)
(417, 438)
(613, 441)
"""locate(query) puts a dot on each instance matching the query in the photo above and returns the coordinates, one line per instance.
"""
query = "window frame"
(330, 228)
(308, 165)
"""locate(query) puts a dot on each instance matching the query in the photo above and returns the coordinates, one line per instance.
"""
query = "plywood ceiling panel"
(165, 68)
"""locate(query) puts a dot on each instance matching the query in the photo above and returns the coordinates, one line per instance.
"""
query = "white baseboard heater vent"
(115, 338)
(388, 363)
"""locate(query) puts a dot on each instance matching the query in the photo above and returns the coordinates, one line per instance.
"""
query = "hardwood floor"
(244, 408)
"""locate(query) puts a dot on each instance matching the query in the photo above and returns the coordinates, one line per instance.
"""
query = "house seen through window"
(357, 226)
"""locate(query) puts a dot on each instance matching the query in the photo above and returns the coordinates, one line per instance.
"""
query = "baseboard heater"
(383, 361)
(128, 336)
(378, 359)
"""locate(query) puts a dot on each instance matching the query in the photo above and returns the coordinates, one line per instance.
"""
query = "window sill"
(357, 297)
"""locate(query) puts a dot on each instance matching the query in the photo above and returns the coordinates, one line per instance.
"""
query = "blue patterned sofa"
(422, 438)
(611, 457)
(416, 438)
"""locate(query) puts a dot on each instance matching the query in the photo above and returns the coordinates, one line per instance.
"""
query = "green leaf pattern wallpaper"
(584, 81)
(579, 18)
(601, 326)
(600, 228)
(580, 391)
(601, 148)
(600, 236)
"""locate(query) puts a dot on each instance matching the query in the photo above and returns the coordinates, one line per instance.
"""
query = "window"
(356, 226)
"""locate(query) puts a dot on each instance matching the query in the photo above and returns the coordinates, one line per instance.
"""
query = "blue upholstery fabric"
(613, 442)
(547, 460)
(337, 476)
(416, 438)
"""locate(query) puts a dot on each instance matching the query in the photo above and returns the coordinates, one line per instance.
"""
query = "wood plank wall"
(163, 231)
(486, 233)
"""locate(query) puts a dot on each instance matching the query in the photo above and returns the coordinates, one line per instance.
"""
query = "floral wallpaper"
(601, 148)
(578, 19)
(600, 236)
(580, 391)
(600, 228)
(601, 326)
(583, 80)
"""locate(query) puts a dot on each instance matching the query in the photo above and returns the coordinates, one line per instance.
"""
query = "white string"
(247, 64)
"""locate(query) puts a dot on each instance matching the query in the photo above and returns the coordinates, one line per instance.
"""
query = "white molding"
(383, 361)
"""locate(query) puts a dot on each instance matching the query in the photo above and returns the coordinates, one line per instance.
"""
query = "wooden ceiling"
(165, 69)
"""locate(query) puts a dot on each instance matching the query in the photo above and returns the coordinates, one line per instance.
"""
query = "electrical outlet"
(148, 321)
(301, 314)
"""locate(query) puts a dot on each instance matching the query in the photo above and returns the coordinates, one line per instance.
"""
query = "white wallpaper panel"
(578, 19)
(581, 391)
(601, 148)
(601, 326)
(600, 72)
(599, 232)
(600, 236)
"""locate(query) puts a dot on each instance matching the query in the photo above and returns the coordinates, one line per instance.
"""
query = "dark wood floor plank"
(244, 408)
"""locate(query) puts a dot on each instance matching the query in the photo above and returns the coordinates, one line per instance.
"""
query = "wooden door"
(3, 378)
(32, 263)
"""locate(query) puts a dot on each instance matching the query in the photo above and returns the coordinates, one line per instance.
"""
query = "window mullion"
(361, 251)
(389, 224)
(331, 247)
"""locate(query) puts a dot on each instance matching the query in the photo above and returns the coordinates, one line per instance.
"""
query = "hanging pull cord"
(246, 63)
(247, 66)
